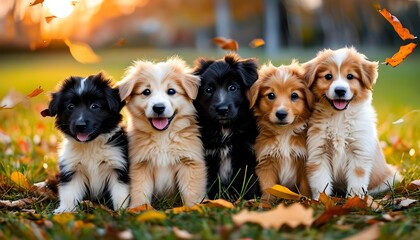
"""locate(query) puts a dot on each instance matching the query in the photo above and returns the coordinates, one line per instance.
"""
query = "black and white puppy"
(228, 128)
(93, 157)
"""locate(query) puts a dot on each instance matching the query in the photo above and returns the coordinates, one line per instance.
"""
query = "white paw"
(63, 209)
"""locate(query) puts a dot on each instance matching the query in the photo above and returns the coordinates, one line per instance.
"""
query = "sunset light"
(59, 8)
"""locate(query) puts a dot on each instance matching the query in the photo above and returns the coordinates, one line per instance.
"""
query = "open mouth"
(82, 137)
(339, 104)
(161, 123)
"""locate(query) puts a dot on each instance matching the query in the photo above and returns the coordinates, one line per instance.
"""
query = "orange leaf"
(82, 52)
(140, 208)
(35, 92)
(19, 179)
(182, 209)
(151, 216)
(330, 213)
(226, 44)
(218, 203)
(283, 192)
(294, 215)
(355, 203)
(414, 185)
(404, 33)
(258, 42)
(401, 54)
(50, 18)
(326, 201)
(36, 2)
(120, 42)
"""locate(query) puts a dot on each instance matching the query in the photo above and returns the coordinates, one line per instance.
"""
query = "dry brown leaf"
(151, 216)
(218, 203)
(329, 214)
(369, 233)
(403, 202)
(182, 234)
(326, 201)
(258, 42)
(283, 192)
(141, 208)
(82, 52)
(404, 33)
(50, 18)
(17, 203)
(414, 185)
(182, 209)
(401, 55)
(294, 215)
(356, 203)
(226, 44)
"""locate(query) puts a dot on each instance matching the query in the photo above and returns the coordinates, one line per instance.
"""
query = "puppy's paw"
(63, 209)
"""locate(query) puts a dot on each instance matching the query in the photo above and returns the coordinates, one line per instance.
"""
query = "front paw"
(63, 209)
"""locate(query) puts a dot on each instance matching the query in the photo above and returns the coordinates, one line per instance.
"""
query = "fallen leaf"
(35, 92)
(151, 216)
(369, 233)
(329, 214)
(218, 203)
(182, 234)
(63, 218)
(141, 208)
(294, 215)
(401, 54)
(326, 201)
(182, 209)
(403, 202)
(80, 225)
(17, 203)
(414, 185)
(258, 42)
(19, 179)
(226, 44)
(36, 2)
(355, 203)
(283, 192)
(404, 33)
(82, 52)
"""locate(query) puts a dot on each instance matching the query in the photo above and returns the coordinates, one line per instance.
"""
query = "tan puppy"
(282, 104)
(344, 152)
(165, 150)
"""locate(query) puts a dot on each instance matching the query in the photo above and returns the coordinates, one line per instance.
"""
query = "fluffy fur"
(282, 104)
(93, 156)
(165, 150)
(228, 127)
(344, 153)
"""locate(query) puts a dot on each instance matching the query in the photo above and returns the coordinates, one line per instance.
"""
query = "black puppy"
(228, 128)
(94, 155)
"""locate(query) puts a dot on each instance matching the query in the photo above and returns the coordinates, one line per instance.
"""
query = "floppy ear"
(191, 83)
(52, 109)
(310, 99)
(113, 99)
(310, 67)
(125, 87)
(369, 73)
(201, 64)
(253, 93)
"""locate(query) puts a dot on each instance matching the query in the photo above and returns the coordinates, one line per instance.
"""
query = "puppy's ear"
(310, 67)
(201, 64)
(369, 73)
(191, 83)
(52, 109)
(113, 99)
(310, 99)
(247, 68)
(253, 93)
(125, 87)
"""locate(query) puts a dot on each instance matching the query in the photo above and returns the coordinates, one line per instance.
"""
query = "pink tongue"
(160, 123)
(340, 104)
(82, 136)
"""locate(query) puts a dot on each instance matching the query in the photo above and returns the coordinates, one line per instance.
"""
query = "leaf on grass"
(196, 208)
(151, 216)
(283, 192)
(36, 2)
(82, 52)
(369, 233)
(329, 214)
(226, 44)
(257, 42)
(182, 234)
(404, 33)
(21, 203)
(218, 203)
(355, 203)
(63, 218)
(326, 201)
(414, 185)
(19, 179)
(294, 215)
(401, 54)
(141, 208)
(403, 202)
(80, 225)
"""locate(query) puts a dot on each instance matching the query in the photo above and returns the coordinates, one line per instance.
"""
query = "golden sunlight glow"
(412, 152)
(59, 8)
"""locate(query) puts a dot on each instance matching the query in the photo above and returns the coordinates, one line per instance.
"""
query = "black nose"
(222, 109)
(159, 108)
(340, 91)
(81, 125)
(281, 114)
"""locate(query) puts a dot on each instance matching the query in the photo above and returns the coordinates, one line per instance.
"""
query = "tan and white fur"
(165, 151)
(344, 155)
(282, 104)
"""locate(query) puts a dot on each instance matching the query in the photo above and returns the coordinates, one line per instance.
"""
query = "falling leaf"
(294, 215)
(36, 2)
(404, 33)
(82, 52)
(283, 192)
(121, 42)
(369, 233)
(50, 18)
(151, 216)
(226, 44)
(141, 208)
(401, 54)
(182, 234)
(19, 179)
(17, 203)
(258, 42)
(326, 201)
(11, 99)
(35, 92)
(414, 185)
(218, 203)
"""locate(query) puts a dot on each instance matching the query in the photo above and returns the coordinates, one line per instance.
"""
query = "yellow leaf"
(151, 216)
(293, 216)
(258, 42)
(182, 209)
(218, 203)
(283, 192)
(79, 224)
(326, 201)
(141, 208)
(19, 179)
(63, 218)
(82, 52)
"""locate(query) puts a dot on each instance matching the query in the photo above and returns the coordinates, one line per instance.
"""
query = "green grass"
(33, 142)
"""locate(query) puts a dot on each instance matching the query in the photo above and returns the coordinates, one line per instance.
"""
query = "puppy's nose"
(81, 125)
(159, 108)
(340, 91)
(222, 110)
(281, 114)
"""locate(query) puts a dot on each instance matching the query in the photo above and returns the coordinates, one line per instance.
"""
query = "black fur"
(223, 108)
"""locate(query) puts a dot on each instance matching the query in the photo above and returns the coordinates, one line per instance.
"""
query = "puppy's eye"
(271, 96)
(70, 107)
(171, 91)
(209, 90)
(95, 106)
(350, 76)
(328, 76)
(232, 88)
(146, 92)
(294, 96)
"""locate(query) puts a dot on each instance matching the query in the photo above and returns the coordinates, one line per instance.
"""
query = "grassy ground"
(28, 145)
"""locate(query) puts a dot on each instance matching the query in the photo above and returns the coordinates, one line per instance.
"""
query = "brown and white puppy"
(282, 104)
(344, 156)
(165, 151)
